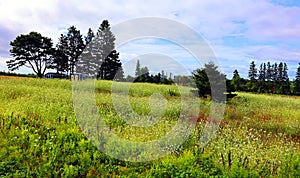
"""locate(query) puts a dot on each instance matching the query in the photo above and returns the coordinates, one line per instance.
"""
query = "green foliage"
(33, 51)
(209, 80)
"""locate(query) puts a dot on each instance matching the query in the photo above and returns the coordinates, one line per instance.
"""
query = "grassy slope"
(259, 135)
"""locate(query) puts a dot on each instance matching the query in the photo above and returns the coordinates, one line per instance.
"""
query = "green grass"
(40, 137)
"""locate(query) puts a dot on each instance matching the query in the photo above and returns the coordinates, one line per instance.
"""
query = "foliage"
(33, 51)
(209, 80)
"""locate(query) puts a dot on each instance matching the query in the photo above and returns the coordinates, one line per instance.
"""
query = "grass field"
(40, 137)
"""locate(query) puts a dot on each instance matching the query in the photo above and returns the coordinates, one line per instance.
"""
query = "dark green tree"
(138, 69)
(89, 37)
(262, 78)
(74, 48)
(111, 67)
(87, 63)
(269, 73)
(286, 87)
(275, 72)
(32, 50)
(107, 55)
(61, 60)
(252, 74)
(207, 78)
(236, 81)
(297, 81)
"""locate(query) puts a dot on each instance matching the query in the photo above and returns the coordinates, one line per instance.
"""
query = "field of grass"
(40, 136)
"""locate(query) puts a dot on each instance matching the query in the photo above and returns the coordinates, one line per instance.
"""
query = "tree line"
(267, 78)
(142, 74)
(93, 54)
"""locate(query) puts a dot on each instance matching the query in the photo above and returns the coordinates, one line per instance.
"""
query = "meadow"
(40, 136)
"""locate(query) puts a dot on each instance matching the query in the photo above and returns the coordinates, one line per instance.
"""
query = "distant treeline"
(267, 78)
(18, 75)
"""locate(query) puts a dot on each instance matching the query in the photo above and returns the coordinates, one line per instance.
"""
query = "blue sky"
(237, 31)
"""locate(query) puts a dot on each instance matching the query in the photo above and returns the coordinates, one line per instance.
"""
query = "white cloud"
(255, 20)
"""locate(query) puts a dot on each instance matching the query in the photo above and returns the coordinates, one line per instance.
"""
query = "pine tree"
(138, 69)
(286, 82)
(262, 77)
(74, 48)
(275, 72)
(297, 81)
(108, 55)
(236, 80)
(269, 73)
(262, 73)
(61, 59)
(252, 74)
(87, 63)
(89, 37)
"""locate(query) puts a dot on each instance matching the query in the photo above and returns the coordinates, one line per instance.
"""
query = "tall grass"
(40, 137)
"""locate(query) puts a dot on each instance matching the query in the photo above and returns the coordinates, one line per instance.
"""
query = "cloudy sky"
(236, 31)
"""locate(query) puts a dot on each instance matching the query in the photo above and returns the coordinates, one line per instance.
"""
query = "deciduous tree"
(32, 50)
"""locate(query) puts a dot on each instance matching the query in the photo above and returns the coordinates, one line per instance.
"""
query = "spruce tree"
(286, 82)
(61, 59)
(74, 48)
(236, 80)
(87, 63)
(109, 57)
(138, 69)
(252, 74)
(297, 81)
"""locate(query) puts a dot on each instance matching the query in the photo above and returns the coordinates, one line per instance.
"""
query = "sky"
(237, 32)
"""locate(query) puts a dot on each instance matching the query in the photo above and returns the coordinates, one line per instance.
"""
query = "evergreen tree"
(297, 81)
(252, 74)
(204, 83)
(74, 48)
(89, 37)
(269, 74)
(236, 80)
(275, 72)
(108, 55)
(138, 69)
(280, 73)
(61, 60)
(145, 75)
(286, 82)
(262, 78)
(87, 62)
(262, 73)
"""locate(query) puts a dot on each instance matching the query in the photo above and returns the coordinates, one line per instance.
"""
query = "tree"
(275, 72)
(269, 73)
(209, 78)
(138, 69)
(87, 63)
(252, 74)
(108, 56)
(286, 81)
(111, 66)
(61, 60)
(89, 37)
(297, 81)
(236, 80)
(33, 51)
(74, 48)
(262, 78)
